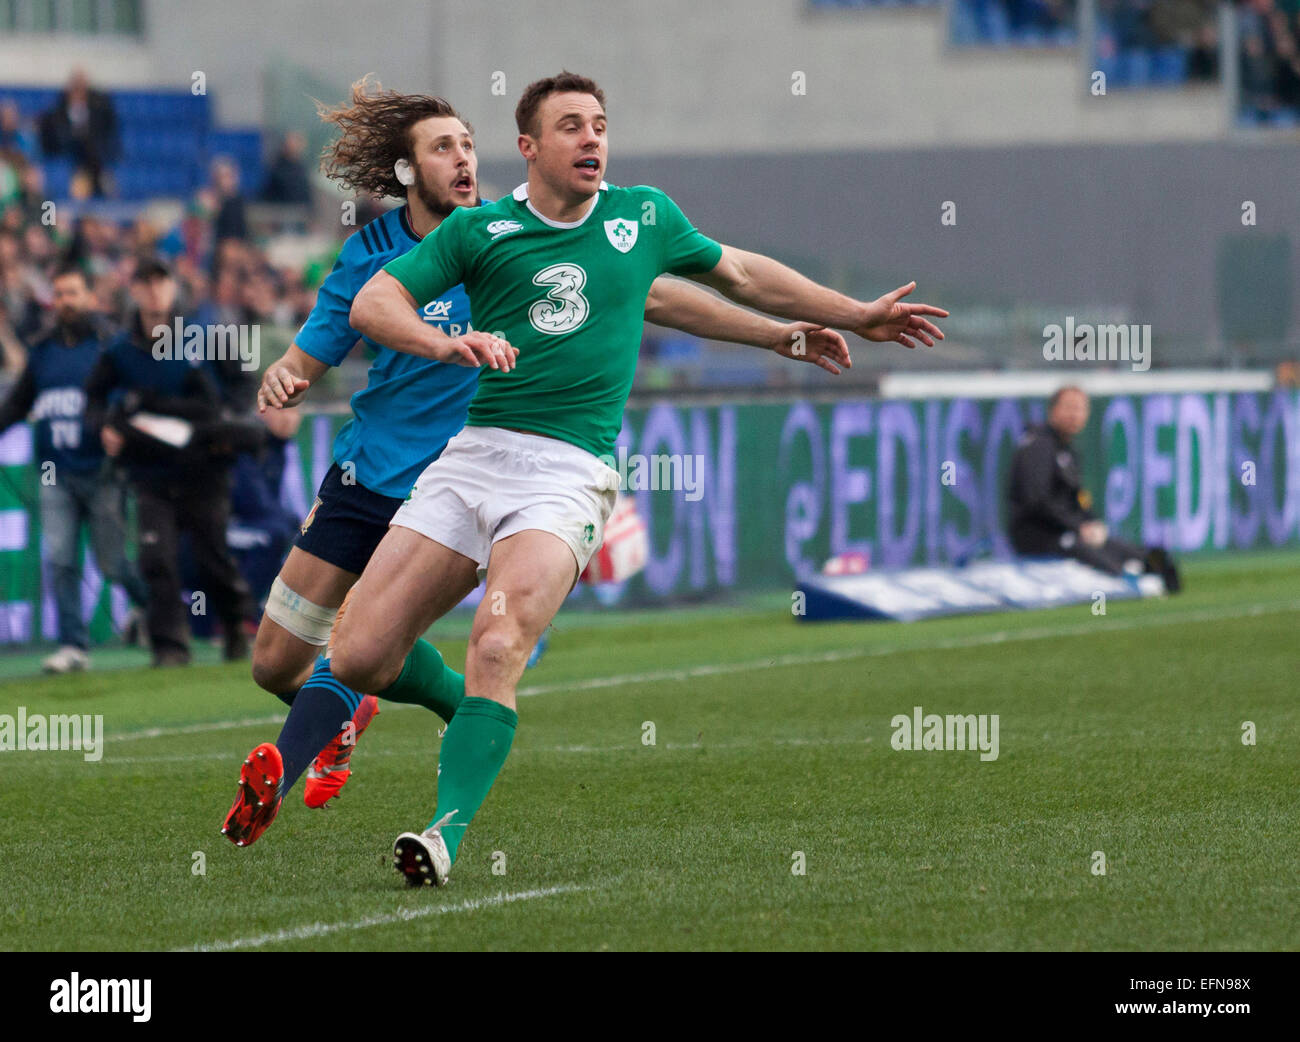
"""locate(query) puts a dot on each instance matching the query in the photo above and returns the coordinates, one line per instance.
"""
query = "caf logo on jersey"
(622, 234)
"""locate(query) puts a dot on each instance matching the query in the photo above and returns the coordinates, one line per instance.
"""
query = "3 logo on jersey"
(564, 308)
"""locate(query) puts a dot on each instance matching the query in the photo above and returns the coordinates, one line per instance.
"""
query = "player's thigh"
(282, 659)
(529, 575)
(410, 582)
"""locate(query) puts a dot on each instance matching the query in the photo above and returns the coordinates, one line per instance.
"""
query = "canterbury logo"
(498, 228)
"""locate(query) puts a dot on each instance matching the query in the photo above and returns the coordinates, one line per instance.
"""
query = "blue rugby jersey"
(410, 407)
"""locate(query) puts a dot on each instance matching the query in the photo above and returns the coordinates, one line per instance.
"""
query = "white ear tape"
(405, 175)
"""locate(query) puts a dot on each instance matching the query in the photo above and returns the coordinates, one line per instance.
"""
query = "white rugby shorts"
(490, 483)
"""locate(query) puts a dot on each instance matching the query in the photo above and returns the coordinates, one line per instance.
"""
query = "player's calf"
(364, 668)
(281, 662)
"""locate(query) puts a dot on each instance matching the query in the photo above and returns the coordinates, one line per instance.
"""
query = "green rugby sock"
(427, 681)
(475, 746)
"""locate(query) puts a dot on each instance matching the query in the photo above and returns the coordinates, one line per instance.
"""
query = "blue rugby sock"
(322, 708)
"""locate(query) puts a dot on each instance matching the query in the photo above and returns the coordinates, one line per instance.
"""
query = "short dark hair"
(70, 268)
(539, 90)
(147, 268)
(1061, 392)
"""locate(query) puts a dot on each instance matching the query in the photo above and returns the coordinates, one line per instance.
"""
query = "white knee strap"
(307, 621)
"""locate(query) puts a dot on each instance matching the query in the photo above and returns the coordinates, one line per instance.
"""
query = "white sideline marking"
(113, 761)
(215, 725)
(807, 659)
(304, 933)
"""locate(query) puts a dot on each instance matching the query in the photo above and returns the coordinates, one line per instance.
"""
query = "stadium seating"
(1003, 23)
(1123, 47)
(167, 142)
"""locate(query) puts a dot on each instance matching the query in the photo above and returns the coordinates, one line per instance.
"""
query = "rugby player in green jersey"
(559, 270)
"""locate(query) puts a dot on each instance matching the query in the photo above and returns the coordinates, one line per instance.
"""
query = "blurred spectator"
(29, 207)
(1190, 24)
(16, 141)
(23, 287)
(82, 125)
(1258, 66)
(180, 471)
(1268, 35)
(264, 526)
(287, 180)
(1203, 62)
(13, 353)
(1157, 42)
(97, 246)
(231, 220)
(76, 487)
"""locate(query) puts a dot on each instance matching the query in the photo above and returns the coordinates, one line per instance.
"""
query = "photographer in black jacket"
(161, 415)
(1051, 511)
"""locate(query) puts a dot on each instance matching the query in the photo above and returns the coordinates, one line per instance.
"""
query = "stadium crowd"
(81, 281)
(223, 272)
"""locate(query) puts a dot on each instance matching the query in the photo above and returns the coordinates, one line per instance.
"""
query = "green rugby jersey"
(570, 297)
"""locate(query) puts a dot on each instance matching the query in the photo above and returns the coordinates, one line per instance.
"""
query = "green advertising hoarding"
(746, 496)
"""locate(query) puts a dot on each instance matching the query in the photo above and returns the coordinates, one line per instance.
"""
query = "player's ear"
(403, 172)
(527, 147)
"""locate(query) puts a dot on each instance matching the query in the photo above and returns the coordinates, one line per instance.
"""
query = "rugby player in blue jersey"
(418, 148)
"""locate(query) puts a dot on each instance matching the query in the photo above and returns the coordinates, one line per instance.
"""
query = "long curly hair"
(376, 133)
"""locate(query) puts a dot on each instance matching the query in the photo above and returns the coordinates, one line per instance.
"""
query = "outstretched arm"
(759, 281)
(679, 305)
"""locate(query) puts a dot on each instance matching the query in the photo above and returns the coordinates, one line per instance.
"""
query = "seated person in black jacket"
(1051, 511)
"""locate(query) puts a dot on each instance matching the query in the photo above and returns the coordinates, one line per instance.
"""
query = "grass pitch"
(1121, 734)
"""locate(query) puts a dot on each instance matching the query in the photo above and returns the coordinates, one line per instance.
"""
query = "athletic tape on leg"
(308, 622)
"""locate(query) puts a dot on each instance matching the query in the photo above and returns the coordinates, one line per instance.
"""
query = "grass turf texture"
(1120, 733)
